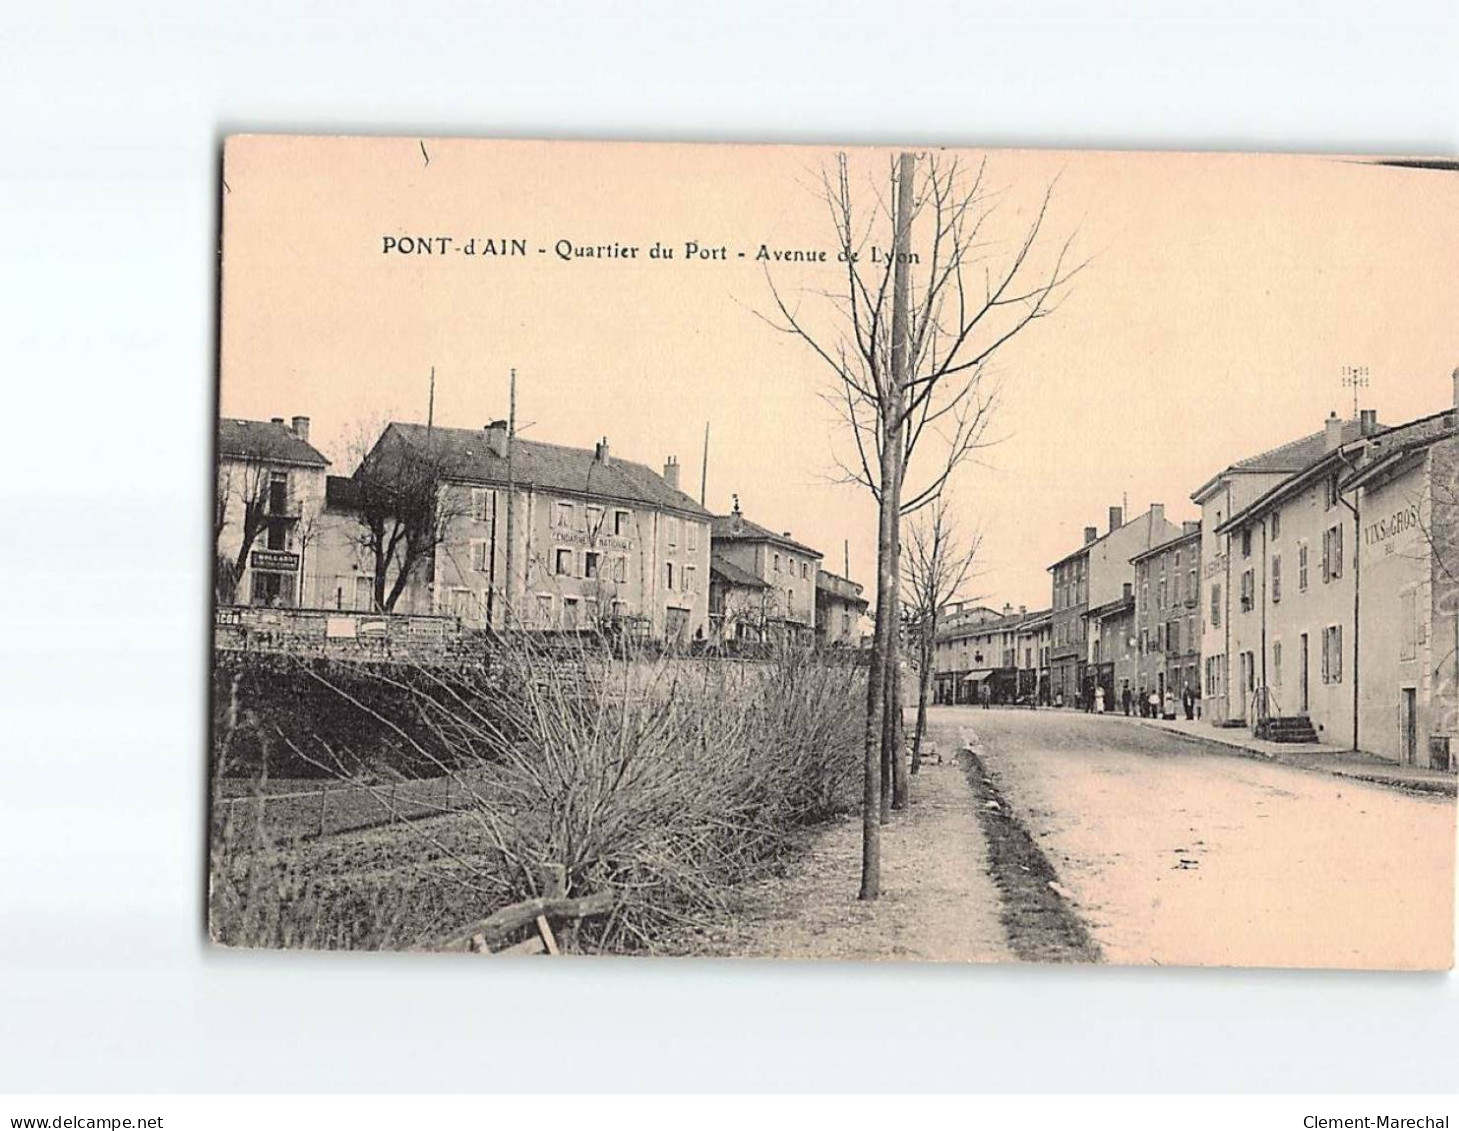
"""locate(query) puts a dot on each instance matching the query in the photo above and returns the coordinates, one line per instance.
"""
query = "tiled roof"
(737, 528)
(1436, 425)
(266, 442)
(735, 575)
(467, 457)
(1160, 547)
(1286, 458)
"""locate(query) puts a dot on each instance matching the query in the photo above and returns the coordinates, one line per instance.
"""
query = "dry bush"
(667, 779)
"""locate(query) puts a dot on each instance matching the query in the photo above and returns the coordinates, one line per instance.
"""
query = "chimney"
(737, 520)
(1334, 432)
(601, 454)
(1090, 534)
(1190, 526)
(1368, 421)
(671, 471)
(1116, 518)
(1007, 609)
(1129, 590)
(1456, 388)
(496, 438)
(301, 427)
(277, 420)
(1157, 515)
(1023, 610)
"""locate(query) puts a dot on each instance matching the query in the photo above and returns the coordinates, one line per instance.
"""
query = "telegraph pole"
(508, 608)
(704, 466)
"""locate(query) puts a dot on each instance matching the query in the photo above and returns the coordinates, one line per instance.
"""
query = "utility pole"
(431, 404)
(704, 466)
(508, 608)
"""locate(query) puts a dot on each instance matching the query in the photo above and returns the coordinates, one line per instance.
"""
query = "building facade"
(1032, 640)
(1167, 622)
(1112, 650)
(1407, 501)
(839, 609)
(976, 655)
(1229, 492)
(1299, 657)
(1092, 577)
(270, 492)
(783, 605)
(552, 537)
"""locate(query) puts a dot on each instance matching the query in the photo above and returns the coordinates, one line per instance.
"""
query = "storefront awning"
(977, 677)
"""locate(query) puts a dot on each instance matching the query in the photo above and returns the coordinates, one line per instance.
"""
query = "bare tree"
(243, 479)
(407, 505)
(909, 337)
(939, 562)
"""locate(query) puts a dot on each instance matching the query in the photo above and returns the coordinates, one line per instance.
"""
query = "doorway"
(1408, 723)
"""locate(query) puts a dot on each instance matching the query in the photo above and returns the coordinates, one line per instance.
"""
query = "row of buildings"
(423, 526)
(1316, 597)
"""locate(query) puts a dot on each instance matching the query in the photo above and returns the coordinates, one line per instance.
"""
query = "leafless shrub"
(665, 778)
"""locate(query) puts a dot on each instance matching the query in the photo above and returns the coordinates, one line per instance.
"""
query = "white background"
(110, 121)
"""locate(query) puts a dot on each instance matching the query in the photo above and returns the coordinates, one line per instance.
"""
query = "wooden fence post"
(323, 800)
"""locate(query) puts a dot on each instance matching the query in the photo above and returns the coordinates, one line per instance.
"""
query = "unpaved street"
(1175, 853)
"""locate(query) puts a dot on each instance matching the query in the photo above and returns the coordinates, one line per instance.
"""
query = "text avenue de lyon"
(1375, 1122)
(515, 247)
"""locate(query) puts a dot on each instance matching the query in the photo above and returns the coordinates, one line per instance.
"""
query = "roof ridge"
(1310, 436)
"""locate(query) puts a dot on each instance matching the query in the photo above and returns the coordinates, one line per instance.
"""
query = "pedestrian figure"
(1099, 700)
(1154, 702)
(1125, 699)
(1189, 702)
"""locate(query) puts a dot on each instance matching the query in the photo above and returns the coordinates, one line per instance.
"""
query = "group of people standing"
(1148, 705)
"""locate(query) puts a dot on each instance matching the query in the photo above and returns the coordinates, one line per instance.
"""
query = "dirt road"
(1176, 854)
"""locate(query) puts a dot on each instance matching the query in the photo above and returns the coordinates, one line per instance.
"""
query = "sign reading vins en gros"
(273, 559)
(1386, 530)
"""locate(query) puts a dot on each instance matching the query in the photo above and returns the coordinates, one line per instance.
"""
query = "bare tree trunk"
(894, 754)
(872, 791)
(924, 683)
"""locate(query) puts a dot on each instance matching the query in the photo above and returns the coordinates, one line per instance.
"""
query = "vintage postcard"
(822, 553)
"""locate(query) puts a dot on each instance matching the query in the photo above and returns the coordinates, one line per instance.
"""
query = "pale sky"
(1223, 297)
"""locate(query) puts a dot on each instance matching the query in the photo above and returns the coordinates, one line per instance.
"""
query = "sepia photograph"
(835, 553)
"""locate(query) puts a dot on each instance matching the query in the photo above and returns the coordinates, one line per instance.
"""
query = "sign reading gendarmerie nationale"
(273, 559)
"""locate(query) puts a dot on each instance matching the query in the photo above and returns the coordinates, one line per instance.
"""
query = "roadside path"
(938, 900)
(1323, 757)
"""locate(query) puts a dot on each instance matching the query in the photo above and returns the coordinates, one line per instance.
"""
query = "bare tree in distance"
(407, 504)
(243, 479)
(909, 337)
(940, 560)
